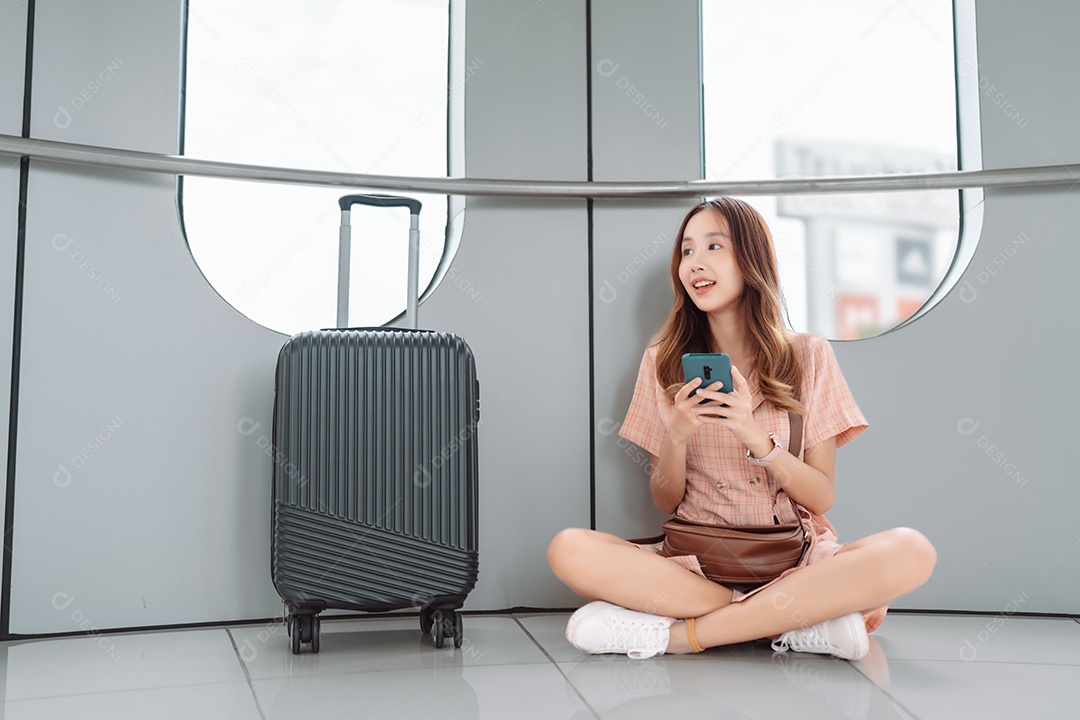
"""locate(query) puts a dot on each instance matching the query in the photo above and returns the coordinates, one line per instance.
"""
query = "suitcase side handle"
(345, 251)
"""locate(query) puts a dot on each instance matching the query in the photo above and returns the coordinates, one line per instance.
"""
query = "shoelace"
(640, 638)
(811, 638)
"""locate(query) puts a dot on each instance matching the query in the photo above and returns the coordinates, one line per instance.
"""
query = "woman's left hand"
(732, 410)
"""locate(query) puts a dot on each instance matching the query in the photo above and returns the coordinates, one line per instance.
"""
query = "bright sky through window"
(358, 87)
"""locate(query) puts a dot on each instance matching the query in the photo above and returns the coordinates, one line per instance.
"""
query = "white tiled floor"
(520, 666)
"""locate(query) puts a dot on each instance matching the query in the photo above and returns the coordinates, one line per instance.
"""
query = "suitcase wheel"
(439, 628)
(304, 629)
(446, 624)
(294, 633)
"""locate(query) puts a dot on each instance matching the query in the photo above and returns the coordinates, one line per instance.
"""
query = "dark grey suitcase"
(375, 472)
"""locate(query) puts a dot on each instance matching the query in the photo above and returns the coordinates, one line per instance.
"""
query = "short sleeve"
(644, 424)
(831, 410)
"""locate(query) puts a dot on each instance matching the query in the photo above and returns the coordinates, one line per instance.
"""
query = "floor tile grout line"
(558, 667)
(896, 704)
(887, 693)
(534, 640)
(247, 675)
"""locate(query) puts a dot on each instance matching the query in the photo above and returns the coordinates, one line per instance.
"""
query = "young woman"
(706, 468)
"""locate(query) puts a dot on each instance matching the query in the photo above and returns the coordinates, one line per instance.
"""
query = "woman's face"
(707, 255)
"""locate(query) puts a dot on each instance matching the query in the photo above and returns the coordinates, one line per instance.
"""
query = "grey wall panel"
(12, 65)
(1028, 113)
(646, 91)
(12, 76)
(9, 226)
(525, 107)
(631, 299)
(646, 126)
(116, 85)
(142, 495)
(518, 293)
(142, 492)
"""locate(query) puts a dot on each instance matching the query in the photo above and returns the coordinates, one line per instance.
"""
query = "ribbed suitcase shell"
(375, 470)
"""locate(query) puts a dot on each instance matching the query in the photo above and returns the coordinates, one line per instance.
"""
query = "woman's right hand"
(690, 413)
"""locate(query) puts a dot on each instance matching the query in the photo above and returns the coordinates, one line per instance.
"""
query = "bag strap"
(795, 441)
(795, 425)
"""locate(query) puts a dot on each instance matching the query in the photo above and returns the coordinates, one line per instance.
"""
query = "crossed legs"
(863, 575)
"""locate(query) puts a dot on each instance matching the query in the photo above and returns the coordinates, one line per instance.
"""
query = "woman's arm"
(811, 483)
(668, 481)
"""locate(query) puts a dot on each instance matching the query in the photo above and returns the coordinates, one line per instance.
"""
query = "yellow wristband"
(693, 638)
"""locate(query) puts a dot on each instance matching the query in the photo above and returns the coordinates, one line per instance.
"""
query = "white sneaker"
(843, 637)
(601, 627)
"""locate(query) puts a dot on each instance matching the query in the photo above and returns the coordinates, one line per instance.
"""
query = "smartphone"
(710, 367)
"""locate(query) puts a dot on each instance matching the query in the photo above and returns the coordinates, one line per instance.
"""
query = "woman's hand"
(689, 413)
(726, 409)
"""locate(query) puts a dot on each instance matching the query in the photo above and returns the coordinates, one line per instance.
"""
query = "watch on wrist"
(770, 456)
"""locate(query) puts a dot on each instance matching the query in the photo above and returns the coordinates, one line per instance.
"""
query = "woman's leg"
(863, 575)
(599, 566)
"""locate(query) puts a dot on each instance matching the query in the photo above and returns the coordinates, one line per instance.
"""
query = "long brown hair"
(687, 328)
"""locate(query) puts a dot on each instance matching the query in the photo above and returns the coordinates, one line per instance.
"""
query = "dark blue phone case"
(710, 367)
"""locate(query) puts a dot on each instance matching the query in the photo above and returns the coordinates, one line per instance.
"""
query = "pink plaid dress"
(722, 486)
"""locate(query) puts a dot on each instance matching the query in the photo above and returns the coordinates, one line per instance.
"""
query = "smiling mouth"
(702, 289)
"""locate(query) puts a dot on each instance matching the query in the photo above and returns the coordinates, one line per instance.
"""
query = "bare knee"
(912, 553)
(566, 547)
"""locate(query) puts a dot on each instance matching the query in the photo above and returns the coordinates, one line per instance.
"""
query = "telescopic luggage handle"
(345, 245)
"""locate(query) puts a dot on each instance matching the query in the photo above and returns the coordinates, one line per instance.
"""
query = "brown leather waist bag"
(733, 555)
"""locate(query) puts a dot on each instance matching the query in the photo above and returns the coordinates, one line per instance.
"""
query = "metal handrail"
(179, 165)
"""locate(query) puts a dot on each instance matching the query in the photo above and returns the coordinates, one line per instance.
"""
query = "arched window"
(844, 87)
(336, 85)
